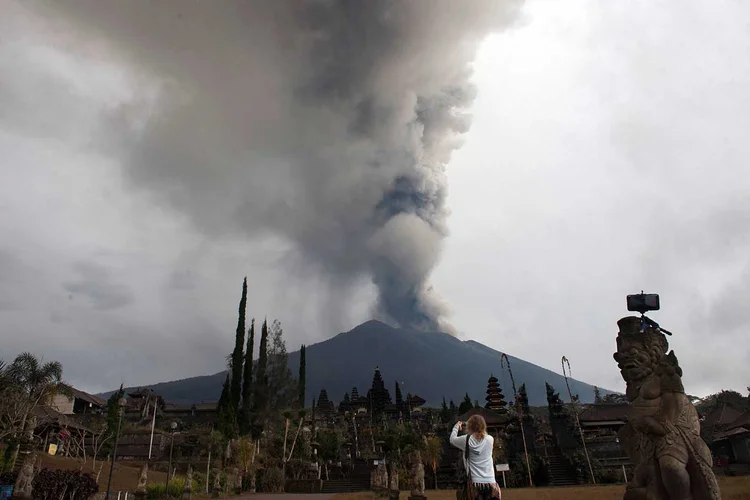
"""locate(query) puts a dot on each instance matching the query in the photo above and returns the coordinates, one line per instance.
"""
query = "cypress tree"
(226, 414)
(260, 398)
(301, 380)
(235, 392)
(445, 414)
(399, 399)
(247, 380)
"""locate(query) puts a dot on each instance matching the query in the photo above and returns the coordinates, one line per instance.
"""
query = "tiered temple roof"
(495, 398)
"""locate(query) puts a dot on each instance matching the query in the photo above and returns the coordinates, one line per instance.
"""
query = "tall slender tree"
(260, 395)
(247, 381)
(235, 364)
(301, 380)
(226, 414)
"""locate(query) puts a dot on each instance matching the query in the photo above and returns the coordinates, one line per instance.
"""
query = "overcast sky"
(608, 154)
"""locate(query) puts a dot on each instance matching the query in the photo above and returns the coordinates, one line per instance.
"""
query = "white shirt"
(480, 456)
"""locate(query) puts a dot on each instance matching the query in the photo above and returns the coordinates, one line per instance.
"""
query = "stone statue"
(216, 489)
(393, 491)
(417, 476)
(662, 433)
(188, 483)
(237, 477)
(379, 479)
(22, 488)
(140, 490)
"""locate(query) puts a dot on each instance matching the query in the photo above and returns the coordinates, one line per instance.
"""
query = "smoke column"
(326, 122)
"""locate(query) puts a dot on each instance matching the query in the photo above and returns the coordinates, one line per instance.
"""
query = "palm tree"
(433, 452)
(33, 384)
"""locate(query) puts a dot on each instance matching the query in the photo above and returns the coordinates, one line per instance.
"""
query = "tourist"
(477, 446)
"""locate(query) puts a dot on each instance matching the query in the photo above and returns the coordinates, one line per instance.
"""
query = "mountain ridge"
(431, 364)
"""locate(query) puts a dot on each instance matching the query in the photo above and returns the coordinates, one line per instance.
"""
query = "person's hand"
(459, 424)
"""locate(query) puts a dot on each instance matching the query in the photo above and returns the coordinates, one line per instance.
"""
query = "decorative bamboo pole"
(575, 412)
(505, 362)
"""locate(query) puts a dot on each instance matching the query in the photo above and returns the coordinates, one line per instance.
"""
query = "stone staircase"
(357, 480)
(559, 473)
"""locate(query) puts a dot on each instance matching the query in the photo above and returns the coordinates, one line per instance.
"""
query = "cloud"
(600, 161)
(96, 283)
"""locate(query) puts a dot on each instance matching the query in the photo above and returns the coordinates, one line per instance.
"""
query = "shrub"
(8, 478)
(63, 485)
(176, 488)
(272, 480)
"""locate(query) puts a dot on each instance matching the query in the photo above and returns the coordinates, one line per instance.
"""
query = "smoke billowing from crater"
(327, 122)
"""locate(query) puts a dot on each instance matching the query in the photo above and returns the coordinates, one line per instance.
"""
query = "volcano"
(431, 364)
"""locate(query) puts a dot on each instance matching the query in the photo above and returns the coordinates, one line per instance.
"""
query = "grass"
(732, 488)
(125, 477)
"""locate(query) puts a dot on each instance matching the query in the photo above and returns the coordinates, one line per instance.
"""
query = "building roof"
(46, 415)
(741, 421)
(89, 398)
(735, 431)
(490, 416)
(723, 415)
(614, 412)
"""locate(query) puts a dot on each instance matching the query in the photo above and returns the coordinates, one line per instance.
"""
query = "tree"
(445, 413)
(113, 416)
(329, 444)
(30, 384)
(226, 416)
(453, 409)
(302, 378)
(597, 395)
(247, 381)
(260, 397)
(465, 405)
(433, 452)
(235, 365)
(399, 398)
(283, 390)
(614, 398)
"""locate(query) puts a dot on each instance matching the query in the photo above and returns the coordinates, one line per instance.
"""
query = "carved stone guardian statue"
(393, 491)
(140, 489)
(216, 488)
(417, 476)
(187, 492)
(662, 433)
(379, 479)
(22, 488)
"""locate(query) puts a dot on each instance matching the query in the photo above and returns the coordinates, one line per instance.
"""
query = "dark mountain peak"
(431, 364)
(372, 326)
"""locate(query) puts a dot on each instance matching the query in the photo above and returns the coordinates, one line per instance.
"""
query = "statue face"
(635, 362)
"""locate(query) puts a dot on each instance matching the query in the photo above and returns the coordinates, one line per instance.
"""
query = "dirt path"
(284, 496)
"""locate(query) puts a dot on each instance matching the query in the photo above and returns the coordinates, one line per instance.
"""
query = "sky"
(607, 154)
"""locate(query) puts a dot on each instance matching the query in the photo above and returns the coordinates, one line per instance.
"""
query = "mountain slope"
(433, 365)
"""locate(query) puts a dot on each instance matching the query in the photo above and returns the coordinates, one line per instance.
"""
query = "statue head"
(642, 351)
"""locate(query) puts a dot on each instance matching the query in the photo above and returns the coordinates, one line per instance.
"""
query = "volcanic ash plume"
(326, 122)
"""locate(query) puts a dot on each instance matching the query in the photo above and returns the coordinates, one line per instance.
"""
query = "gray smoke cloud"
(328, 123)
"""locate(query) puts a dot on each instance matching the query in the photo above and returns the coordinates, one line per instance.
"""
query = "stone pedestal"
(662, 434)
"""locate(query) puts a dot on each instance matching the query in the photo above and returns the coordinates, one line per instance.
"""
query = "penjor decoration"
(662, 435)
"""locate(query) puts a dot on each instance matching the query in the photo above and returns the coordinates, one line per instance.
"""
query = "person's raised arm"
(458, 442)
